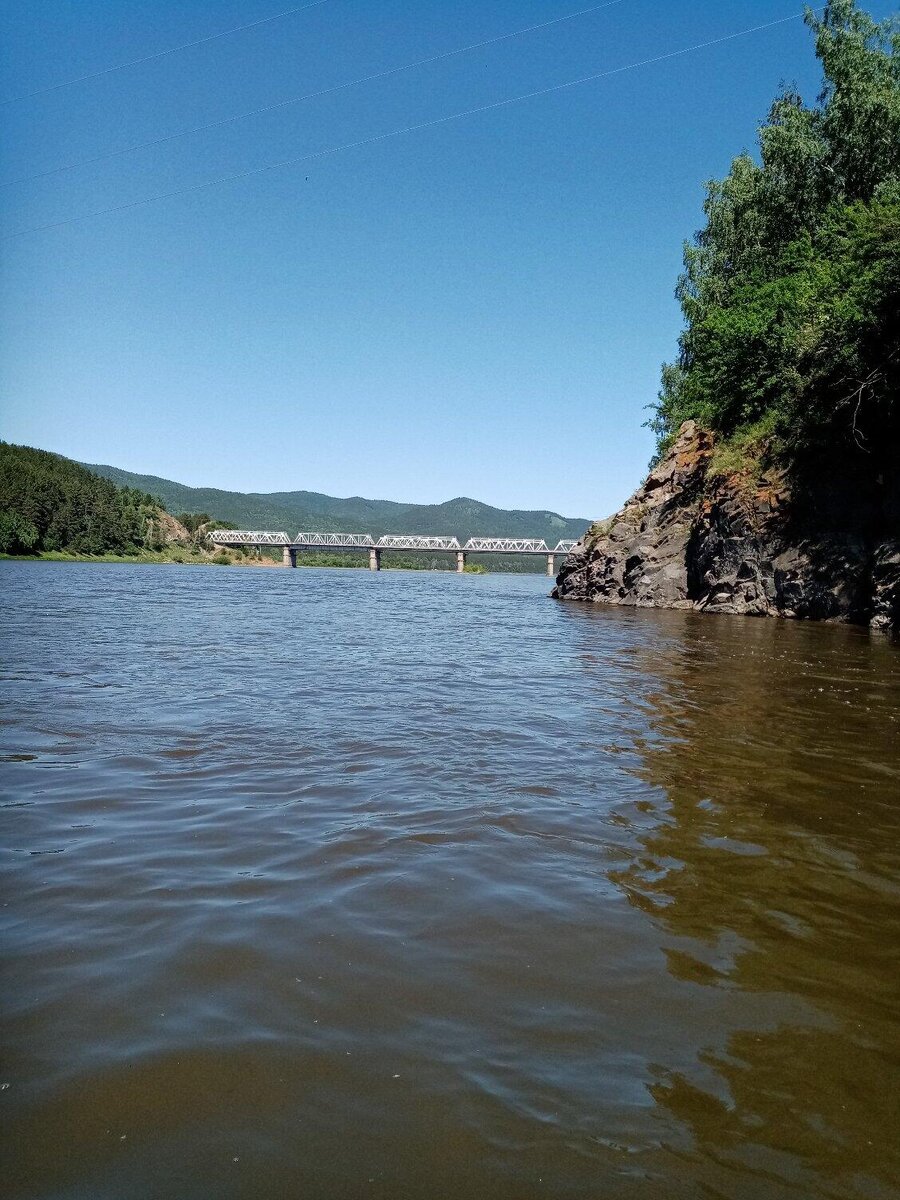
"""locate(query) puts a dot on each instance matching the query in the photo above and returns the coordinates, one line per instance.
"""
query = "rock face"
(689, 540)
(170, 530)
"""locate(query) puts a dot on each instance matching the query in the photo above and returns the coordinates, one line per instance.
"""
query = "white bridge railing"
(391, 541)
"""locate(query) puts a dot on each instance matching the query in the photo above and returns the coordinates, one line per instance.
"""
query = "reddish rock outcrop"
(169, 529)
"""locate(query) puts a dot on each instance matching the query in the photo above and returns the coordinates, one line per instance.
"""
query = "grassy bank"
(184, 557)
(176, 557)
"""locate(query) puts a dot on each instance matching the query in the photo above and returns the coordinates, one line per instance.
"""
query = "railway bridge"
(412, 543)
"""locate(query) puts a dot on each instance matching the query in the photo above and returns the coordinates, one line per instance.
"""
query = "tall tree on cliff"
(791, 291)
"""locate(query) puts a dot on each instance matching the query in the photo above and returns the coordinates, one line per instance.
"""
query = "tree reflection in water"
(768, 859)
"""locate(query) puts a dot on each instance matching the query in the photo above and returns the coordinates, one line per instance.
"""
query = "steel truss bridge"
(410, 542)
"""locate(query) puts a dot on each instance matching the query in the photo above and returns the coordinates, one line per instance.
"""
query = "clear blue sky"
(479, 308)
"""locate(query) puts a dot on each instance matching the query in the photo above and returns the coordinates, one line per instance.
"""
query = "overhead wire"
(136, 62)
(380, 137)
(327, 91)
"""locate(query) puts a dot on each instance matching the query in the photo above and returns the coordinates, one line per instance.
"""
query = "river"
(327, 884)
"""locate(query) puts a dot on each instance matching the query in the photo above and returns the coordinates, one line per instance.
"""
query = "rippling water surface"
(327, 884)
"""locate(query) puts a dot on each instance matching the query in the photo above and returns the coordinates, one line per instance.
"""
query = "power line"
(136, 62)
(503, 37)
(381, 137)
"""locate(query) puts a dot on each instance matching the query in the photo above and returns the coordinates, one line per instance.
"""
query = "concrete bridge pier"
(289, 556)
(374, 559)
(551, 569)
(460, 561)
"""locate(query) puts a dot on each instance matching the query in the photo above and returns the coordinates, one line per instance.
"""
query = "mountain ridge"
(293, 510)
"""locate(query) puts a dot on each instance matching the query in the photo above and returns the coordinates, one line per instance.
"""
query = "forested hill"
(292, 511)
(49, 503)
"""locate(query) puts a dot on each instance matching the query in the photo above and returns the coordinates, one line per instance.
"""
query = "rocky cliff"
(169, 530)
(693, 538)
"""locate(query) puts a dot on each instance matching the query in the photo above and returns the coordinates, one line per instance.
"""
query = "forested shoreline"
(49, 503)
(53, 507)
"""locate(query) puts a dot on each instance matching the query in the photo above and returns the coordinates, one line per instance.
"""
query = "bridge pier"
(551, 565)
(460, 561)
(289, 556)
(374, 559)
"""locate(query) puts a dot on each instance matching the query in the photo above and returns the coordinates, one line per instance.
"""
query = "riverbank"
(176, 557)
(183, 557)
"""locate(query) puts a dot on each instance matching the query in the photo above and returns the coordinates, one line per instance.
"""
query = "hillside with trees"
(291, 511)
(50, 503)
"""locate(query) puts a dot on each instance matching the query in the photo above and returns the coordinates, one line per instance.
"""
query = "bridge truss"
(492, 545)
(247, 537)
(347, 541)
(396, 541)
(308, 540)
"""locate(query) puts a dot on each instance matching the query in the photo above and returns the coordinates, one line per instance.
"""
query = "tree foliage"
(791, 291)
(193, 521)
(51, 503)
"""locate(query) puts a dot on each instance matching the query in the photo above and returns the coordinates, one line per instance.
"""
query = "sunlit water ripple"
(327, 884)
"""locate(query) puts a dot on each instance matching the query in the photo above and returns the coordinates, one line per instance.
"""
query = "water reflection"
(769, 859)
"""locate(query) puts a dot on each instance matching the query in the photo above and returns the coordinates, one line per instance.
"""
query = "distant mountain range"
(293, 511)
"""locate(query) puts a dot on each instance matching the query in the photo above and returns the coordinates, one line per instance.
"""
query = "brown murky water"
(325, 884)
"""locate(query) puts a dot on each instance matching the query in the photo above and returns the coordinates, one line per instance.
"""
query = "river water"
(325, 884)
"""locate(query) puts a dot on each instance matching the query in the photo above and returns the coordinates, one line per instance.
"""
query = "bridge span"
(410, 542)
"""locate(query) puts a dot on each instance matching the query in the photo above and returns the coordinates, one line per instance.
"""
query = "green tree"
(790, 291)
(17, 534)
